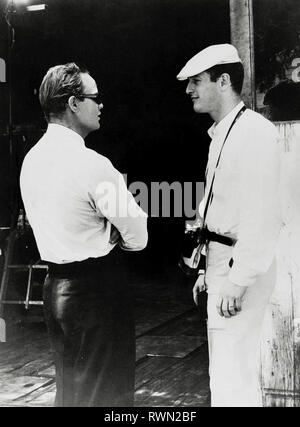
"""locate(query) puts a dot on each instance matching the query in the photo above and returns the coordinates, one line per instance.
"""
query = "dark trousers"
(88, 312)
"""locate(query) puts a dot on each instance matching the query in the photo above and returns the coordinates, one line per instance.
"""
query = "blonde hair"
(59, 83)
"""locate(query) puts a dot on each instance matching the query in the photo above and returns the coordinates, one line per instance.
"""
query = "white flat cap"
(207, 58)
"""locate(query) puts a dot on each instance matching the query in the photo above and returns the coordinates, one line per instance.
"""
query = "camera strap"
(210, 193)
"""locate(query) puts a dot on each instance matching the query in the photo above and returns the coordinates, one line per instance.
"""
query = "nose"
(101, 106)
(188, 88)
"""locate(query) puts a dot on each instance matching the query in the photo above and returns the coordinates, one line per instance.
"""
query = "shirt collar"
(65, 133)
(224, 124)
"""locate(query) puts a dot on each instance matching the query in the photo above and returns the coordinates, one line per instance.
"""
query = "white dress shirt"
(246, 203)
(72, 196)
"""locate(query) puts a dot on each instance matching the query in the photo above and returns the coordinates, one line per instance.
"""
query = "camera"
(191, 259)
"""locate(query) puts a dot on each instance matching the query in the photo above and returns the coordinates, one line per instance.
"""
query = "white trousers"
(234, 345)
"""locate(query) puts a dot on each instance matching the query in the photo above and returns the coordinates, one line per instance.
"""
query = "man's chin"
(94, 128)
(198, 109)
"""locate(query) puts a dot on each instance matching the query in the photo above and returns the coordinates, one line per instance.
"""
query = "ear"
(225, 81)
(73, 103)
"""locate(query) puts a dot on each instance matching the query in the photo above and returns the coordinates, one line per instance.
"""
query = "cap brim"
(188, 71)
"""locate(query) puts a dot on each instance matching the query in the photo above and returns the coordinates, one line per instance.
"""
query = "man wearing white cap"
(242, 219)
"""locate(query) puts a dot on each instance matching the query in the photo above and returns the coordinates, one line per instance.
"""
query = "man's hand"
(198, 287)
(230, 299)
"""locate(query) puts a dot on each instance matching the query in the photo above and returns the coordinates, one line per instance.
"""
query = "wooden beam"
(2, 70)
(242, 37)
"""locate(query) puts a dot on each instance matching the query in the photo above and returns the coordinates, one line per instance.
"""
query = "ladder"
(8, 267)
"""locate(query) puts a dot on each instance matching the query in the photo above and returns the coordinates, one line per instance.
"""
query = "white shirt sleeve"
(259, 218)
(114, 202)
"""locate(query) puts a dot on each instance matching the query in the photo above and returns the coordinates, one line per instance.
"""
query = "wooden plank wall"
(280, 350)
(242, 37)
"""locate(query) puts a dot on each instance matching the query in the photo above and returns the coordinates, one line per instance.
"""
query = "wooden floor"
(171, 353)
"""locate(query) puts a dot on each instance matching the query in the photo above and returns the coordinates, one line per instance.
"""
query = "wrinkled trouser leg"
(91, 329)
(234, 345)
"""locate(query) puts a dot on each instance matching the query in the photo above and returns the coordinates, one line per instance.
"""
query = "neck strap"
(209, 198)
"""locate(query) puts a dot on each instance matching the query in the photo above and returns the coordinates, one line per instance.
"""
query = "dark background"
(134, 49)
(277, 40)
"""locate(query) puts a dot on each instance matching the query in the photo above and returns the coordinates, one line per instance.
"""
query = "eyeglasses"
(94, 97)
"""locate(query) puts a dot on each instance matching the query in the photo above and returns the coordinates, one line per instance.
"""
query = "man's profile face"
(203, 92)
(89, 110)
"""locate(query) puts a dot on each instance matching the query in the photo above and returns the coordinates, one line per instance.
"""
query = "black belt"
(214, 237)
(80, 268)
(224, 240)
(77, 268)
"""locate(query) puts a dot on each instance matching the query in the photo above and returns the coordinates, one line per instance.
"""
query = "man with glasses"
(81, 212)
